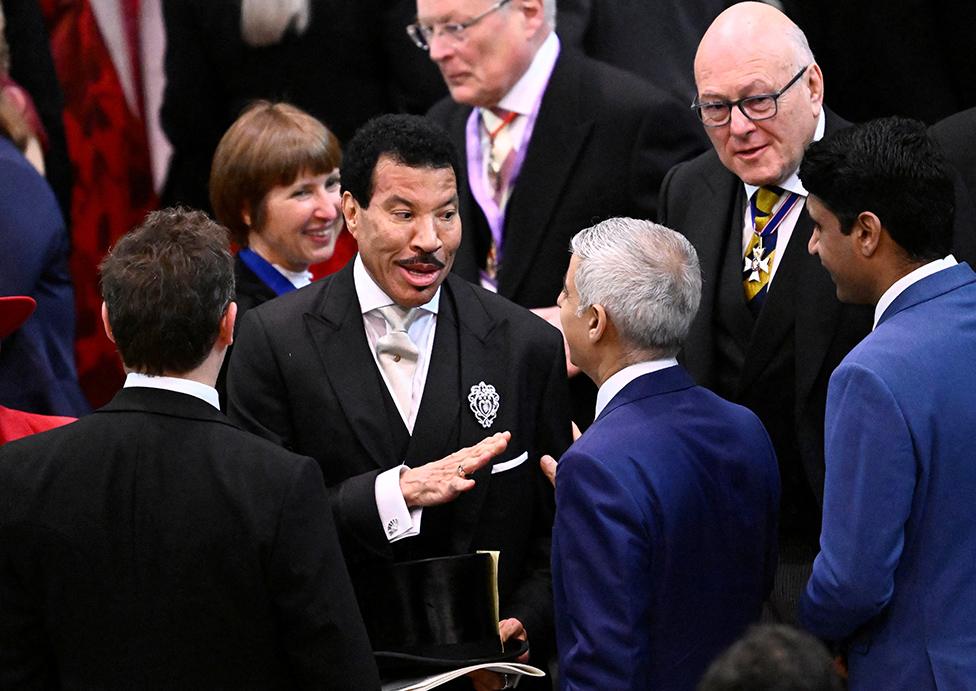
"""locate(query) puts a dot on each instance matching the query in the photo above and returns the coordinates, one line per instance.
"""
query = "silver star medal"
(484, 403)
(756, 263)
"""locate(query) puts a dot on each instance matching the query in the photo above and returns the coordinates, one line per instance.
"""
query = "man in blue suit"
(894, 579)
(664, 544)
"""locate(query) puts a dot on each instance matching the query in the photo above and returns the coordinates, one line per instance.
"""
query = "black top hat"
(435, 613)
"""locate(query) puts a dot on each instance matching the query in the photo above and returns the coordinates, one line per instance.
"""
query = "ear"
(867, 233)
(596, 323)
(226, 335)
(105, 323)
(535, 14)
(246, 214)
(815, 83)
(351, 212)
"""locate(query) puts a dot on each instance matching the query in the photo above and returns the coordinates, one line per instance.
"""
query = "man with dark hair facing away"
(153, 544)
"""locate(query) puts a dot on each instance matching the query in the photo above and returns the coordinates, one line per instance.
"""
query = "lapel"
(733, 309)
(466, 259)
(707, 228)
(335, 326)
(928, 288)
(805, 301)
(480, 341)
(652, 384)
(557, 139)
(435, 431)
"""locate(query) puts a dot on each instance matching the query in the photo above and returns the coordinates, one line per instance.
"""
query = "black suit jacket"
(800, 336)
(302, 375)
(957, 137)
(601, 145)
(212, 74)
(154, 545)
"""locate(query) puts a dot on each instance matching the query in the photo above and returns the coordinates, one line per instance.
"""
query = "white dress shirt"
(398, 520)
(205, 393)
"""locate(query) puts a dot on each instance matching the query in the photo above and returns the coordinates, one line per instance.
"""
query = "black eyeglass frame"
(421, 34)
(697, 107)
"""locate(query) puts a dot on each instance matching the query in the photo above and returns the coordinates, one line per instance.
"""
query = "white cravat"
(398, 354)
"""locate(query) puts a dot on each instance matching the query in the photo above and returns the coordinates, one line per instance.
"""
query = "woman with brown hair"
(274, 184)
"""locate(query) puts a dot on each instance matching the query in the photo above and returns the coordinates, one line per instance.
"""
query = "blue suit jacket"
(37, 362)
(664, 544)
(897, 568)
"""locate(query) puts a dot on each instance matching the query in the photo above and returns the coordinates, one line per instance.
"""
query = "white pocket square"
(508, 465)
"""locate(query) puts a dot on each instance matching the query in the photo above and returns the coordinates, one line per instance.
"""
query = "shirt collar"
(527, 92)
(903, 283)
(618, 380)
(205, 393)
(792, 183)
(372, 296)
(299, 279)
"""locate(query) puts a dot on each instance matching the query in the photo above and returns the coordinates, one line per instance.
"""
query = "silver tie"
(397, 354)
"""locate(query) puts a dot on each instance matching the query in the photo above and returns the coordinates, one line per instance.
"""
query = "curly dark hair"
(409, 140)
(166, 285)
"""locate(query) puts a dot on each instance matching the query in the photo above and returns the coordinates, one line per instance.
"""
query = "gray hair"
(646, 277)
(801, 47)
(549, 6)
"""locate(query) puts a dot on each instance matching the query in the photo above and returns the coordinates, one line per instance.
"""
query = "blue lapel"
(930, 287)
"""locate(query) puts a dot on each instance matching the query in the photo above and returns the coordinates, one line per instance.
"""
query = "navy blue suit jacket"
(37, 362)
(664, 545)
(896, 572)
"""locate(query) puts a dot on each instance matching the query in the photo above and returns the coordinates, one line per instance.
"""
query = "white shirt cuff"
(398, 521)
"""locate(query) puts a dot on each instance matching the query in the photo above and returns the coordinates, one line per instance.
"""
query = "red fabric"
(113, 187)
(345, 250)
(15, 424)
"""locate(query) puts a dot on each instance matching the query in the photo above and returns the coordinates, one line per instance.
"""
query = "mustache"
(425, 258)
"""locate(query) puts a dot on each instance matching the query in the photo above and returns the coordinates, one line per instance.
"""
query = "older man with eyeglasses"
(553, 141)
(769, 330)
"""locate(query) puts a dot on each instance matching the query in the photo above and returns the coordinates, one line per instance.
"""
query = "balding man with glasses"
(553, 142)
(770, 329)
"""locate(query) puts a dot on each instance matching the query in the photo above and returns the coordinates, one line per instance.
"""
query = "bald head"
(754, 30)
(752, 49)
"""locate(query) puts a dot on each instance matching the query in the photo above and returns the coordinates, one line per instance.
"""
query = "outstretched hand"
(439, 482)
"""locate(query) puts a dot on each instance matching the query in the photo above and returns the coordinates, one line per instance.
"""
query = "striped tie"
(761, 250)
(501, 159)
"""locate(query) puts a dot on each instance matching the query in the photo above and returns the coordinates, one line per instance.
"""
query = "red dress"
(113, 186)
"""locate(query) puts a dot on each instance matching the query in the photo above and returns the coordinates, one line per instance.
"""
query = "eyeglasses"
(758, 107)
(422, 34)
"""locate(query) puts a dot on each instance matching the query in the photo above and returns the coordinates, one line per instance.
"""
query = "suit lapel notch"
(336, 329)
